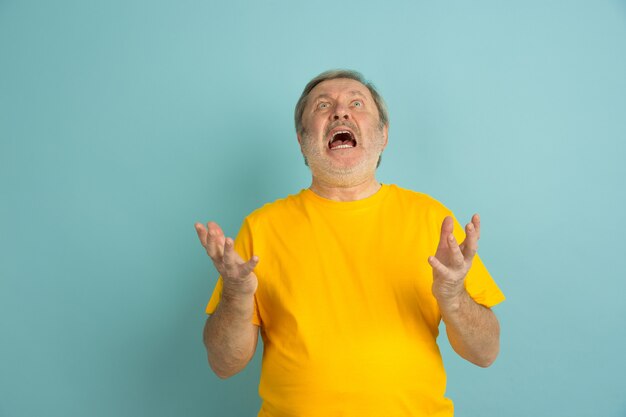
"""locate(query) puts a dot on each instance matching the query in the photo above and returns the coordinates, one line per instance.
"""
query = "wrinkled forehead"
(340, 86)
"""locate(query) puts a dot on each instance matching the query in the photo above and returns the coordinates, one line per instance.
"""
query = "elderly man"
(349, 279)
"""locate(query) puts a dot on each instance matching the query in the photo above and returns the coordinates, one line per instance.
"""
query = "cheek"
(315, 131)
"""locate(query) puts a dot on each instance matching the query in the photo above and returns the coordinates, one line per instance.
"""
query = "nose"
(341, 112)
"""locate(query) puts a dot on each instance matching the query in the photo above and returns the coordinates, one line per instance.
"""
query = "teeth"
(343, 147)
(337, 133)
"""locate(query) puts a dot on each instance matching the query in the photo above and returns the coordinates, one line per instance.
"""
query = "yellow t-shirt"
(344, 302)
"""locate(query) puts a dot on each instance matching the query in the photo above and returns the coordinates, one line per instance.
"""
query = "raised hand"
(237, 275)
(452, 261)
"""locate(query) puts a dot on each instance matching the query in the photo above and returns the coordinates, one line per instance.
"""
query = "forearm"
(229, 335)
(473, 330)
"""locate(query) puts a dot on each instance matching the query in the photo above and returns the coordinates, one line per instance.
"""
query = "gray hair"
(334, 74)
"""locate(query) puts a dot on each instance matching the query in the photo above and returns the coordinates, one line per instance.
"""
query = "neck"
(346, 192)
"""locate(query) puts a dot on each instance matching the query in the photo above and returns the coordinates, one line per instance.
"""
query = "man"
(348, 280)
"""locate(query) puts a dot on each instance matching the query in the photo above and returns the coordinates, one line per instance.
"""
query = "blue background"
(124, 122)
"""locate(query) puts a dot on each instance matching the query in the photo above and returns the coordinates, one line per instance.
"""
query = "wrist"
(240, 303)
(236, 296)
(454, 303)
(239, 289)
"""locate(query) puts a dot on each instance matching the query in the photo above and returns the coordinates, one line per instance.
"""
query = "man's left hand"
(452, 261)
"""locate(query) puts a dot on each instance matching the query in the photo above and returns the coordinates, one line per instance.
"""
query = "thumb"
(437, 265)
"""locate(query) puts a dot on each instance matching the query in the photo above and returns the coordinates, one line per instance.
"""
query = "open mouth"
(342, 139)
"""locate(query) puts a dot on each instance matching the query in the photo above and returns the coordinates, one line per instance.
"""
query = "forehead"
(339, 86)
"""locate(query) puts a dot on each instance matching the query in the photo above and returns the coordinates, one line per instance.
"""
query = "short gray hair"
(334, 74)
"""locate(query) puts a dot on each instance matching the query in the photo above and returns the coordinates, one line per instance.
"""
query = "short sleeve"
(244, 247)
(479, 283)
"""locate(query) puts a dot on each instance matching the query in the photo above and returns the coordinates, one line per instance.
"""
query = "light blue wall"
(124, 122)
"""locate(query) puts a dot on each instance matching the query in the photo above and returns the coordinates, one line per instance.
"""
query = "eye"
(323, 105)
(357, 103)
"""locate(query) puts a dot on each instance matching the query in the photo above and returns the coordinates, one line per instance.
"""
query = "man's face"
(342, 138)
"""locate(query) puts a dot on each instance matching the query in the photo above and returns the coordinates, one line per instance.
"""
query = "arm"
(472, 329)
(229, 336)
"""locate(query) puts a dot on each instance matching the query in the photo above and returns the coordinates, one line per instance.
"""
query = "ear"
(299, 138)
(385, 135)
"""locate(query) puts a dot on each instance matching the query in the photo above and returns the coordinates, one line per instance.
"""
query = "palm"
(451, 261)
(236, 273)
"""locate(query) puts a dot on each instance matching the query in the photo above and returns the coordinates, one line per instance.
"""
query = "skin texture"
(344, 175)
(229, 336)
(473, 330)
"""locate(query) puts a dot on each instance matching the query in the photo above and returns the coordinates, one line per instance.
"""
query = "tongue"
(340, 142)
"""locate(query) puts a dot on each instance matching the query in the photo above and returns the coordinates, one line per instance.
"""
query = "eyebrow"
(353, 93)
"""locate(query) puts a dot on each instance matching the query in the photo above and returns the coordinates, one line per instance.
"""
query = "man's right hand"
(238, 278)
(229, 335)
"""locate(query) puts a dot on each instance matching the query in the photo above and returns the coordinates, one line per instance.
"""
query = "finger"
(202, 232)
(457, 258)
(437, 265)
(248, 267)
(230, 256)
(215, 241)
(470, 244)
(476, 223)
(447, 226)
